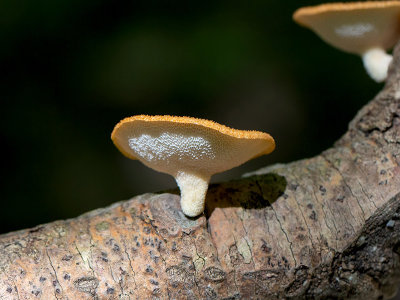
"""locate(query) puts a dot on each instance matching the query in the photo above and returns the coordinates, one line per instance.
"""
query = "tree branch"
(322, 227)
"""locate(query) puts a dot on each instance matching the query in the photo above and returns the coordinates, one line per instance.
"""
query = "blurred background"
(72, 69)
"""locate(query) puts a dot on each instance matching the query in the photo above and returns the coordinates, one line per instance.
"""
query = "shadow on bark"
(255, 192)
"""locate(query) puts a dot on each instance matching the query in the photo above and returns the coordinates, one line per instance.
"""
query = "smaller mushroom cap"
(190, 149)
(354, 27)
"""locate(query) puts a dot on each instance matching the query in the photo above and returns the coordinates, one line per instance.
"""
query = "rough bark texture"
(325, 227)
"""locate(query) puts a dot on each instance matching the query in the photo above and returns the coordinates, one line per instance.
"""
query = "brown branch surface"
(323, 227)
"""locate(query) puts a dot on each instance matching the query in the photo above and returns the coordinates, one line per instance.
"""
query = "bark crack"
(212, 240)
(55, 275)
(352, 194)
(91, 245)
(195, 267)
(196, 273)
(348, 187)
(329, 209)
(236, 245)
(198, 255)
(130, 264)
(245, 239)
(112, 274)
(335, 232)
(121, 286)
(286, 235)
(366, 195)
(308, 227)
(150, 222)
(280, 224)
(358, 202)
(85, 262)
(304, 219)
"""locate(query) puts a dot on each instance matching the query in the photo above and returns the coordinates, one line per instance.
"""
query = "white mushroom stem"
(193, 192)
(376, 62)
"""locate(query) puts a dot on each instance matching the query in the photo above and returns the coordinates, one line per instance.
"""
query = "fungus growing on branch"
(189, 149)
(368, 29)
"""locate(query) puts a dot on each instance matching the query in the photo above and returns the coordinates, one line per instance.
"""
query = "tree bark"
(324, 227)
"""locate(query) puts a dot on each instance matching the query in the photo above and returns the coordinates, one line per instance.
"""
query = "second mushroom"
(367, 28)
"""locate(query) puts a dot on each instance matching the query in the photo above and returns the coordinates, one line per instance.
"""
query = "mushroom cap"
(354, 27)
(171, 144)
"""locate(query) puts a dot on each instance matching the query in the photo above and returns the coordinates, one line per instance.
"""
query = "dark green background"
(71, 69)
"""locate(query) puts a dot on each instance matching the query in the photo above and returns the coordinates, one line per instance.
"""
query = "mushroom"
(189, 149)
(364, 28)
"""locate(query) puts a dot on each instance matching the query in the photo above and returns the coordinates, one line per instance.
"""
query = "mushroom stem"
(376, 62)
(193, 192)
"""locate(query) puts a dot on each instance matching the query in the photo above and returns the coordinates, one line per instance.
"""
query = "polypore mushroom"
(189, 149)
(365, 28)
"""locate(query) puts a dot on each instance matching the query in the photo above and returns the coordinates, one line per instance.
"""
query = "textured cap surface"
(171, 144)
(354, 27)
